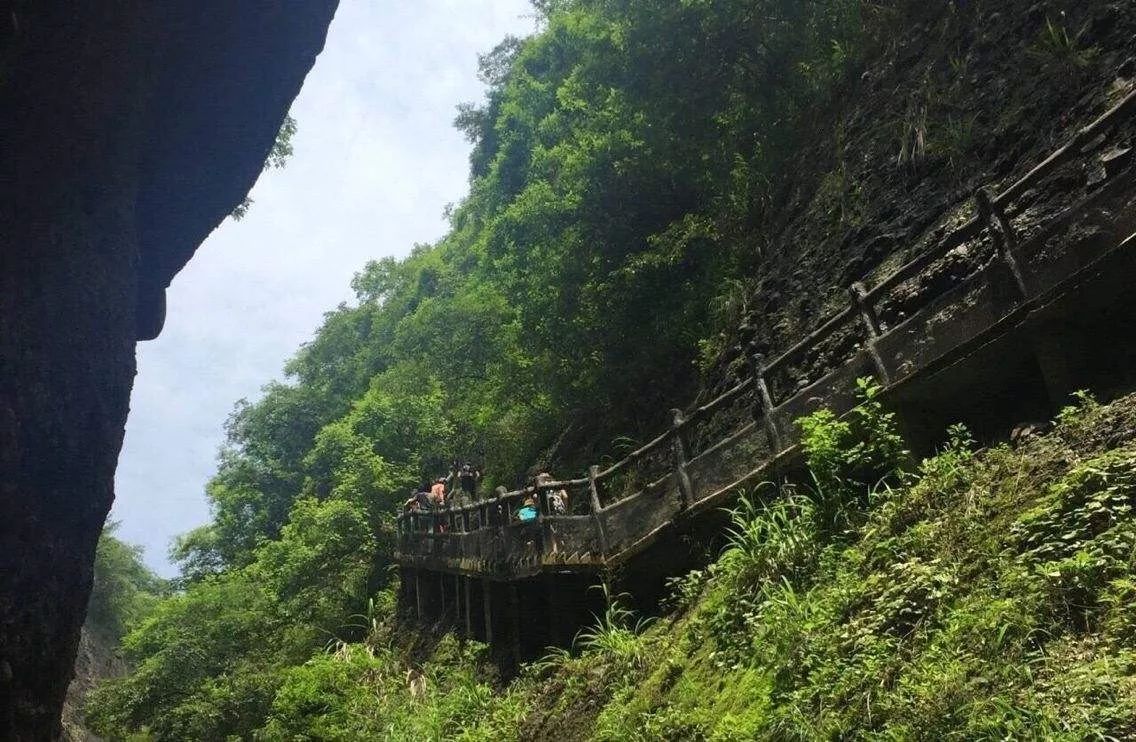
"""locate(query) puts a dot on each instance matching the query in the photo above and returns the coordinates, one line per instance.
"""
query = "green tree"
(125, 590)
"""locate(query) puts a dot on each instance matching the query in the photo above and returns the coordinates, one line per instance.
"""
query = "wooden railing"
(615, 509)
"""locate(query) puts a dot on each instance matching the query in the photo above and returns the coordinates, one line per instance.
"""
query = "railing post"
(685, 488)
(764, 403)
(540, 496)
(498, 513)
(1005, 240)
(547, 541)
(594, 492)
(872, 325)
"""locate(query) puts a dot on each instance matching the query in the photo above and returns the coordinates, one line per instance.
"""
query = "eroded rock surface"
(129, 130)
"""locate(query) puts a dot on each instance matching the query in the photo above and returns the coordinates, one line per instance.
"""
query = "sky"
(376, 161)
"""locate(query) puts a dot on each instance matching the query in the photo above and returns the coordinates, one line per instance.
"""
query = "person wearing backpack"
(468, 477)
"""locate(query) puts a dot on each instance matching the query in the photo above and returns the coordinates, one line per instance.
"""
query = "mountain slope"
(653, 185)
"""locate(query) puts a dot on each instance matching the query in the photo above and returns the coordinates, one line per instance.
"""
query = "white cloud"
(376, 160)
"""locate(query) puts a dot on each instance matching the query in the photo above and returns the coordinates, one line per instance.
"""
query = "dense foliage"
(975, 595)
(619, 153)
(625, 165)
(619, 158)
(982, 596)
(124, 590)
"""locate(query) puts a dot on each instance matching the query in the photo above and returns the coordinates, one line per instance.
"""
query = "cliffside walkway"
(1002, 343)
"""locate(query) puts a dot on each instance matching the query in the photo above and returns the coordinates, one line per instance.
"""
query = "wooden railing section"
(615, 511)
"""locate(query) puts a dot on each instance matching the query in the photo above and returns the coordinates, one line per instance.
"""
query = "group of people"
(431, 497)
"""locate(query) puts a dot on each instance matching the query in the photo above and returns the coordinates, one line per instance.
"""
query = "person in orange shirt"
(438, 492)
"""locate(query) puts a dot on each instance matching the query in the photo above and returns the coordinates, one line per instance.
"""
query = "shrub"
(616, 635)
(1081, 537)
(850, 459)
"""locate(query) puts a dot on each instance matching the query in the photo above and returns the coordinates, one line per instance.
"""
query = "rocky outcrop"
(96, 660)
(963, 95)
(130, 128)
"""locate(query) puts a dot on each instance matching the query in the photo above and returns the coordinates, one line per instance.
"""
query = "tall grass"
(768, 542)
(617, 633)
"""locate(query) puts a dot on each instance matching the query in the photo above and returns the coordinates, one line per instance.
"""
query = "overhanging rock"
(128, 130)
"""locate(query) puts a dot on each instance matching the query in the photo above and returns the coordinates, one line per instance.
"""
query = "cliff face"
(95, 660)
(965, 95)
(130, 129)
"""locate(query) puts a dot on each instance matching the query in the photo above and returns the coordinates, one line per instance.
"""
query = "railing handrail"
(636, 454)
(965, 232)
(810, 340)
(1126, 107)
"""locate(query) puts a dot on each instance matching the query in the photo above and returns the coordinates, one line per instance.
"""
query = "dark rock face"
(128, 130)
(990, 99)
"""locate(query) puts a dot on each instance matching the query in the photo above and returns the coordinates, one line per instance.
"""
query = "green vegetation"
(277, 158)
(973, 595)
(208, 662)
(982, 598)
(125, 590)
(631, 167)
(618, 161)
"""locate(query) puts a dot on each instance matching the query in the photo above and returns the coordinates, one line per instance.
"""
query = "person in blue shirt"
(528, 511)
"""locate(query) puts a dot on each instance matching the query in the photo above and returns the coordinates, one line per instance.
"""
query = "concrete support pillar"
(468, 607)
(1061, 354)
(515, 627)
(553, 607)
(487, 609)
(459, 611)
(417, 597)
(457, 600)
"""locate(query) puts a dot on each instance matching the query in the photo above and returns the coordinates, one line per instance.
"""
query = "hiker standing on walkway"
(438, 492)
(424, 505)
(422, 497)
(528, 511)
(468, 477)
(557, 499)
(438, 500)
